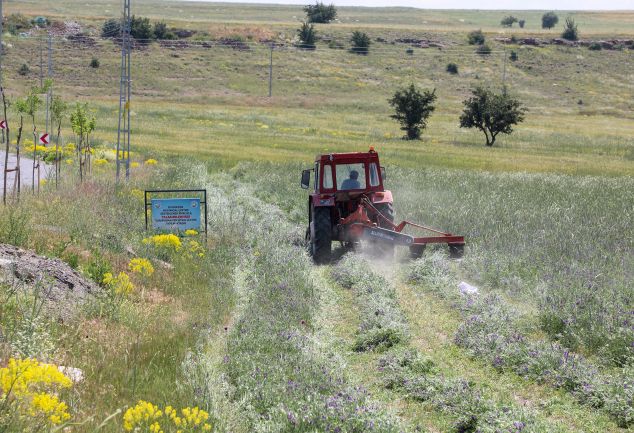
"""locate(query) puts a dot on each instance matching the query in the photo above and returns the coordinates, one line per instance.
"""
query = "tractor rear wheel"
(384, 249)
(321, 235)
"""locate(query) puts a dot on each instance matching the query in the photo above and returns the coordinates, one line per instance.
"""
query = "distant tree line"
(140, 28)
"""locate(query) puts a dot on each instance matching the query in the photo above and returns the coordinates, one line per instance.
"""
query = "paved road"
(26, 167)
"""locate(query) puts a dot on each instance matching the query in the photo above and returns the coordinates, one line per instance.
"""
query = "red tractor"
(350, 204)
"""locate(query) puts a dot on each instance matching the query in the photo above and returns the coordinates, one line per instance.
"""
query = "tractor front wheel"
(321, 235)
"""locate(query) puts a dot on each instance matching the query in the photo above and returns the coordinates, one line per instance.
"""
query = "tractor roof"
(347, 156)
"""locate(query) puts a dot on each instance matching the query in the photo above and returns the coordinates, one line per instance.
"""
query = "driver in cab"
(351, 182)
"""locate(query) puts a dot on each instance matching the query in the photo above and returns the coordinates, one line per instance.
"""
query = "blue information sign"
(175, 214)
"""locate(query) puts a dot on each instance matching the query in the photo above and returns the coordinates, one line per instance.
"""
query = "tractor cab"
(342, 179)
(349, 204)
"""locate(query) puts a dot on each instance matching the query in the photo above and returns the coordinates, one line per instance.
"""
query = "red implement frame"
(360, 217)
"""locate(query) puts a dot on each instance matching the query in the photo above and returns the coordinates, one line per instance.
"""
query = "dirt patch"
(62, 287)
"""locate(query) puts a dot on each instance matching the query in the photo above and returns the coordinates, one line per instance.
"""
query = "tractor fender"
(382, 197)
(318, 201)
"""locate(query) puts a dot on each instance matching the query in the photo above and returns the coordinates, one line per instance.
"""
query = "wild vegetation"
(237, 330)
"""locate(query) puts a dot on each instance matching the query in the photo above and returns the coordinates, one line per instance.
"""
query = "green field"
(253, 332)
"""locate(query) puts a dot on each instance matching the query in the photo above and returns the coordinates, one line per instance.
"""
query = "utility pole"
(1, 48)
(271, 72)
(49, 95)
(123, 133)
(41, 63)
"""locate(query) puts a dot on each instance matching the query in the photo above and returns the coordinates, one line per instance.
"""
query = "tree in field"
(508, 21)
(320, 13)
(111, 28)
(7, 141)
(83, 124)
(141, 29)
(29, 106)
(492, 113)
(521, 23)
(360, 42)
(413, 108)
(476, 37)
(307, 36)
(570, 32)
(59, 109)
(549, 20)
(161, 31)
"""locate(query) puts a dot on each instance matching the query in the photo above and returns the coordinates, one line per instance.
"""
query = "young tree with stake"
(492, 113)
(59, 108)
(5, 133)
(82, 125)
(413, 108)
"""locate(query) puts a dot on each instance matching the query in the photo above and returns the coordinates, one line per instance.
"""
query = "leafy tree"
(508, 21)
(570, 32)
(59, 110)
(492, 113)
(549, 20)
(360, 42)
(521, 23)
(161, 31)
(82, 124)
(452, 68)
(94, 63)
(513, 56)
(307, 36)
(320, 13)
(111, 28)
(141, 29)
(413, 108)
(476, 37)
(24, 69)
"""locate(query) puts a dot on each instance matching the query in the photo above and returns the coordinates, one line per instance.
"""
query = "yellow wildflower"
(141, 266)
(194, 249)
(134, 164)
(191, 232)
(23, 376)
(143, 414)
(120, 285)
(43, 182)
(137, 193)
(101, 161)
(151, 162)
(49, 406)
(166, 241)
(69, 161)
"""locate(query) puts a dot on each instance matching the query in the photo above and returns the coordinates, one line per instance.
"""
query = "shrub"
(521, 23)
(508, 21)
(360, 42)
(141, 29)
(484, 49)
(549, 20)
(413, 108)
(307, 36)
(513, 56)
(111, 28)
(16, 23)
(409, 51)
(570, 33)
(476, 37)
(595, 46)
(162, 32)
(320, 13)
(492, 113)
(24, 69)
(97, 268)
(452, 68)
(94, 63)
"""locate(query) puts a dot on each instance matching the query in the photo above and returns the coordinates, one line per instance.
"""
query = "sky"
(469, 4)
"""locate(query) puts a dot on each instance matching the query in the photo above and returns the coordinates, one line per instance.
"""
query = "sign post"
(176, 214)
(44, 139)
